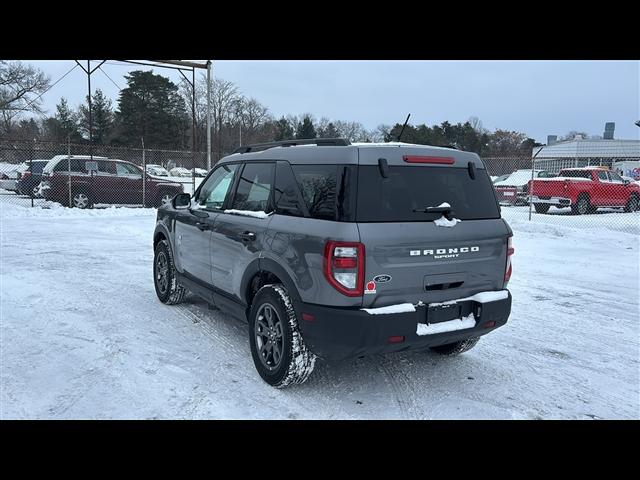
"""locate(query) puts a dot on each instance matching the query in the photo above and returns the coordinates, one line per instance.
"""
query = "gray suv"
(336, 250)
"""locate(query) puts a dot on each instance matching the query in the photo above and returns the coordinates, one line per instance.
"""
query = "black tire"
(456, 348)
(168, 289)
(541, 207)
(294, 362)
(582, 205)
(633, 204)
(81, 199)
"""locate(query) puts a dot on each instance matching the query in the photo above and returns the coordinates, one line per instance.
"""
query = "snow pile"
(451, 326)
(248, 213)
(47, 209)
(482, 297)
(445, 222)
(400, 308)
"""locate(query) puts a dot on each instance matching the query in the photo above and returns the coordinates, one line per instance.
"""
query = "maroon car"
(102, 180)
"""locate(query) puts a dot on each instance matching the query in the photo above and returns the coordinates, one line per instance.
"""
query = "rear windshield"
(576, 173)
(410, 188)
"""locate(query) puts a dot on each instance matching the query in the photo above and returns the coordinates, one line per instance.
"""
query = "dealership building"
(581, 152)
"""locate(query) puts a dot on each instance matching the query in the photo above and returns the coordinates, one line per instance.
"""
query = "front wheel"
(541, 207)
(168, 289)
(279, 353)
(81, 199)
(456, 348)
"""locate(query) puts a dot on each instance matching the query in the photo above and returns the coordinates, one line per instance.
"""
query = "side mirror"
(182, 201)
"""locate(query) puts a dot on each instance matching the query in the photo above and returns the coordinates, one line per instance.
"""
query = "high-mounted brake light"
(419, 159)
(509, 267)
(344, 267)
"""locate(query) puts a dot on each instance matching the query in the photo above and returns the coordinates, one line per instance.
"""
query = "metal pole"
(208, 114)
(90, 112)
(193, 130)
(531, 189)
(69, 168)
(144, 176)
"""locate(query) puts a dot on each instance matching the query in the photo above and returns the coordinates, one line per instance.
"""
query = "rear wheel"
(582, 205)
(456, 348)
(279, 353)
(633, 204)
(541, 207)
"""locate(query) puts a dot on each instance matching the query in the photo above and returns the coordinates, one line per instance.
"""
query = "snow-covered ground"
(82, 334)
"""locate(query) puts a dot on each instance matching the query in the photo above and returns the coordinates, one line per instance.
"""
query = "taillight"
(26, 174)
(344, 267)
(509, 267)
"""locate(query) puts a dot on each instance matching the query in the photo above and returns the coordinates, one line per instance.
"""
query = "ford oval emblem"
(382, 278)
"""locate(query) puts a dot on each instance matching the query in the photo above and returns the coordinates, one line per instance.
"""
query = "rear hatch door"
(410, 255)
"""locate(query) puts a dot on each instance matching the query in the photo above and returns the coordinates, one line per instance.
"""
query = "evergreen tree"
(101, 117)
(329, 132)
(66, 123)
(151, 107)
(306, 129)
(283, 130)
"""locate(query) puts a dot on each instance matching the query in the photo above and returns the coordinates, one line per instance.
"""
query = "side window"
(602, 176)
(126, 169)
(615, 178)
(254, 187)
(106, 168)
(214, 191)
(286, 197)
(318, 186)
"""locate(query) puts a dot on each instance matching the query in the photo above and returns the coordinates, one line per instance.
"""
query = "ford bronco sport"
(335, 250)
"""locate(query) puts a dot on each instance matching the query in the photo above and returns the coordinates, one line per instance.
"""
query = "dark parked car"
(102, 180)
(31, 178)
(341, 250)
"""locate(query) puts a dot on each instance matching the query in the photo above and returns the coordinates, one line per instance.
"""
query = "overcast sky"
(535, 97)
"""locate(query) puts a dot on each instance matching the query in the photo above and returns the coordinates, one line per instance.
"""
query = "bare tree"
(20, 88)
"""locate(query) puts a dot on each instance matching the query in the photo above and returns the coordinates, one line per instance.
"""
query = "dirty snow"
(450, 326)
(82, 334)
(400, 308)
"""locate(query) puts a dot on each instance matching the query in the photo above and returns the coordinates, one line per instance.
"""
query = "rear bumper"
(339, 333)
(558, 201)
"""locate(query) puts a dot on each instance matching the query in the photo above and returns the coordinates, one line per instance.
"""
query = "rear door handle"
(203, 226)
(248, 236)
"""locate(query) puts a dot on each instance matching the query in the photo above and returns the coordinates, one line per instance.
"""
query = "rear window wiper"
(443, 208)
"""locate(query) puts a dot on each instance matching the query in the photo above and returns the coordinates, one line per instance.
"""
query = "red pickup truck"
(584, 190)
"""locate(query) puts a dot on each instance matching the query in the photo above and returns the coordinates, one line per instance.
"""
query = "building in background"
(582, 152)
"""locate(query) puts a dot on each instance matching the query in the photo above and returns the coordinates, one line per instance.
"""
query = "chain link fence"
(589, 182)
(35, 174)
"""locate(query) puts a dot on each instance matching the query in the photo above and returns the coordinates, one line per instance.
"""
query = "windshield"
(410, 188)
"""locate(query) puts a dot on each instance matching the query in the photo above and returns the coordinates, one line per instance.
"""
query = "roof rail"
(321, 142)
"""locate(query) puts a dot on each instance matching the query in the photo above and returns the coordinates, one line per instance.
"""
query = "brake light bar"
(421, 159)
(344, 267)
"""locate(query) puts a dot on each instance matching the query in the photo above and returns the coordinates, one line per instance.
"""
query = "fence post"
(144, 175)
(531, 189)
(69, 168)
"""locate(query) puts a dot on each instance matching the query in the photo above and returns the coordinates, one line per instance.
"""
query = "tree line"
(153, 108)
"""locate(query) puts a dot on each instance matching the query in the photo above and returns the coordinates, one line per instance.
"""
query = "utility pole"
(89, 71)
